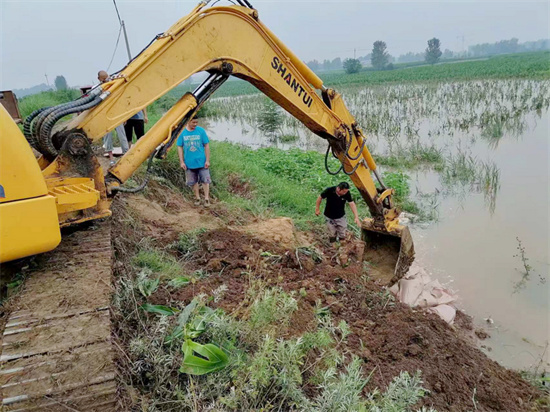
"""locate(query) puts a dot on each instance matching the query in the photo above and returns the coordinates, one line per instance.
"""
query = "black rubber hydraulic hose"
(35, 129)
(348, 145)
(27, 131)
(142, 185)
(45, 138)
(37, 124)
(326, 163)
(360, 148)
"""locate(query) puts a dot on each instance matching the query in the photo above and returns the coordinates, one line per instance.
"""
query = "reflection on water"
(476, 248)
(489, 140)
(526, 270)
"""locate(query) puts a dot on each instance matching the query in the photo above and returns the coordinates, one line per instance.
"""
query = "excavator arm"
(223, 41)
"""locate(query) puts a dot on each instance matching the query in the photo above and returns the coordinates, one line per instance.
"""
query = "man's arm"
(354, 210)
(318, 206)
(207, 153)
(145, 118)
(180, 155)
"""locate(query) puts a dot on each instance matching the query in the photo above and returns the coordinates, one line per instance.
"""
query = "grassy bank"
(275, 182)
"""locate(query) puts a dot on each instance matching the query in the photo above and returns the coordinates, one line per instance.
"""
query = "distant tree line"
(326, 65)
(380, 59)
(507, 46)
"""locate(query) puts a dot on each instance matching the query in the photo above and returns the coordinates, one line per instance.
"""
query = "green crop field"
(524, 65)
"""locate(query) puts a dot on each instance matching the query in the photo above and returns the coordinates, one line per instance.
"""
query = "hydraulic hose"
(142, 185)
(45, 138)
(27, 131)
(37, 124)
(352, 170)
(348, 144)
(360, 149)
(326, 163)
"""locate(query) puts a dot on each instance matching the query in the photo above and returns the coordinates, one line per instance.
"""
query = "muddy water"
(472, 247)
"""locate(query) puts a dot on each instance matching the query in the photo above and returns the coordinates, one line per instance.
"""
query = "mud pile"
(389, 336)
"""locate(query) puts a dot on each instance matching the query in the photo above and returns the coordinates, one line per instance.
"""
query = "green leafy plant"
(146, 285)
(270, 119)
(159, 309)
(179, 281)
(198, 359)
(211, 358)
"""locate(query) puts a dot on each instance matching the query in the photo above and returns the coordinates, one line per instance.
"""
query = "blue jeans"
(108, 139)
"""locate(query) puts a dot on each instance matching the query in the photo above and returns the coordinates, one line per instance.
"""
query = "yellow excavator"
(66, 185)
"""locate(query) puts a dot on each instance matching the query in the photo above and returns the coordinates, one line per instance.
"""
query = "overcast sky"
(76, 38)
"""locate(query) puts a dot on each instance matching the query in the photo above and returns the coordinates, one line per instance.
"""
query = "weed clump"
(188, 242)
(198, 357)
(158, 262)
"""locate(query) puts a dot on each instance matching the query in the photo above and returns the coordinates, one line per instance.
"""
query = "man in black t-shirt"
(335, 210)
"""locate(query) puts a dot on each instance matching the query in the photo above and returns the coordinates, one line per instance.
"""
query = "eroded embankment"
(325, 312)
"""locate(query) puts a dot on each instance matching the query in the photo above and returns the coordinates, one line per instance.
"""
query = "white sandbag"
(409, 291)
(445, 312)
(417, 289)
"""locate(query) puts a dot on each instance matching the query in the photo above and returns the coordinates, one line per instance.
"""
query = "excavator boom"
(223, 41)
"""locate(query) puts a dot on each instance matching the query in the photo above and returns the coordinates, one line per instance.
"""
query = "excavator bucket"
(389, 254)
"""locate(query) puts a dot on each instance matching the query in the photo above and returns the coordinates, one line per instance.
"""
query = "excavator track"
(57, 352)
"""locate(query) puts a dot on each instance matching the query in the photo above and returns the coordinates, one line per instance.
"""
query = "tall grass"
(283, 183)
(28, 104)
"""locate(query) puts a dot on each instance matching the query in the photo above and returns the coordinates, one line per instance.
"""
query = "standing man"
(136, 123)
(335, 211)
(103, 76)
(194, 153)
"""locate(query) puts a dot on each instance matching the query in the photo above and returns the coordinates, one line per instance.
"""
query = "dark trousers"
(137, 125)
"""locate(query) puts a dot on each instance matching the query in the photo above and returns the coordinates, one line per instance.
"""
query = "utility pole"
(47, 81)
(124, 31)
(354, 54)
(126, 39)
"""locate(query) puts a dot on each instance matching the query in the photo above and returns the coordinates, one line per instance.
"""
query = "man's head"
(193, 123)
(102, 76)
(342, 188)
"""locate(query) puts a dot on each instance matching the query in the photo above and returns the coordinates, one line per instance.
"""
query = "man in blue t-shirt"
(194, 154)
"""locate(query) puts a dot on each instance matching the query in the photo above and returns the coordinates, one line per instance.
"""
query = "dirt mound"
(388, 336)
(239, 186)
(280, 231)
(165, 221)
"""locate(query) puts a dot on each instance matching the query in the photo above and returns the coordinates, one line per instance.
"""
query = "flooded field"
(477, 157)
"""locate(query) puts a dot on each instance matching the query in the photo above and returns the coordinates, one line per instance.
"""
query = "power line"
(116, 47)
(123, 28)
(117, 13)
